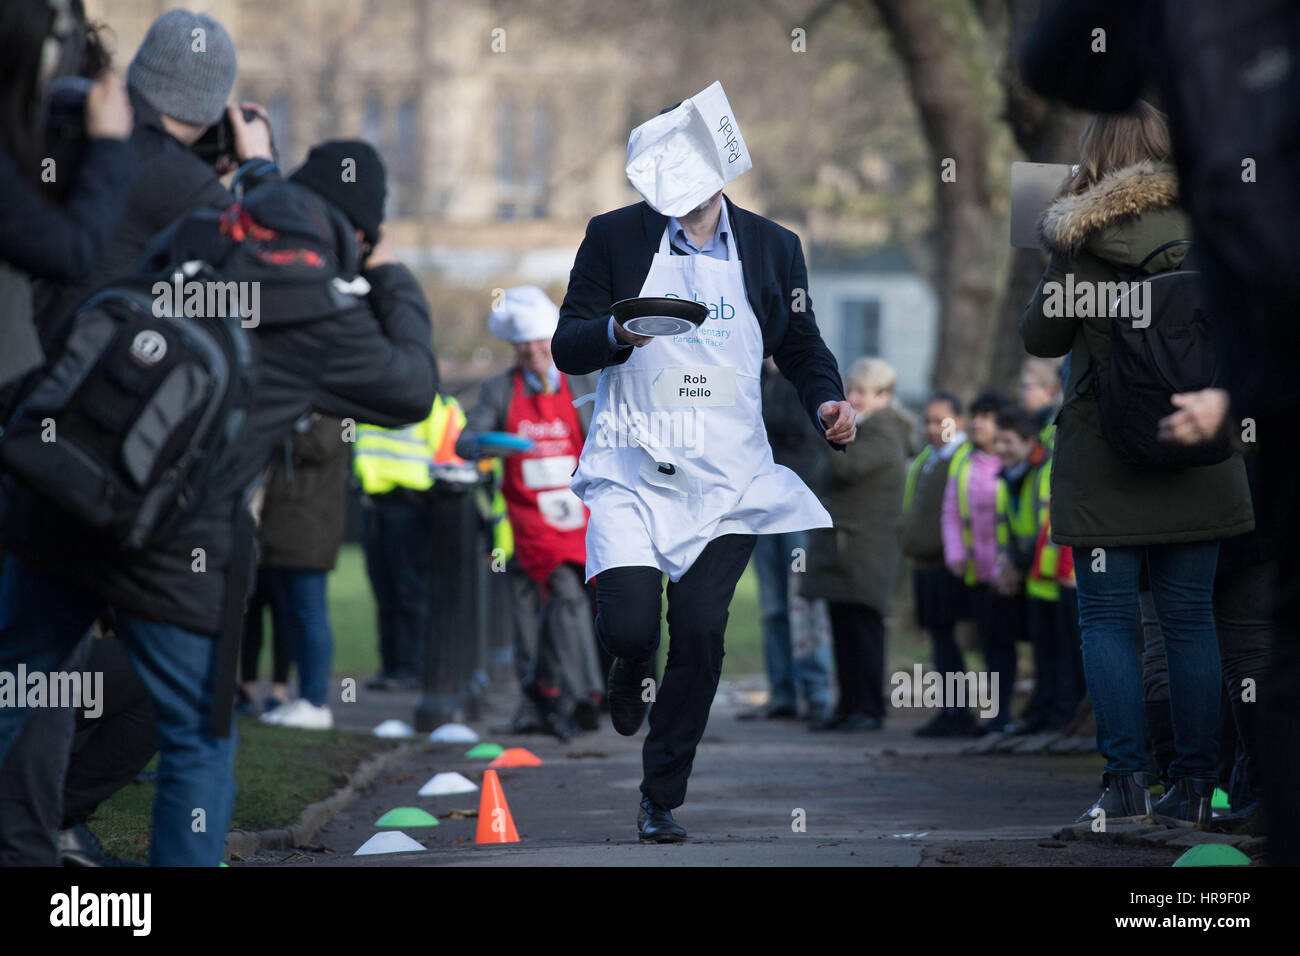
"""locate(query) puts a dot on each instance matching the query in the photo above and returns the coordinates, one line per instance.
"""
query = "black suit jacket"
(614, 260)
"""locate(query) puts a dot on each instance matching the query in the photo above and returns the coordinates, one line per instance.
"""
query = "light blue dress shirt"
(680, 244)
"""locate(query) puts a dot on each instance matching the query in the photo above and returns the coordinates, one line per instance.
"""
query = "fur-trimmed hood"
(1070, 221)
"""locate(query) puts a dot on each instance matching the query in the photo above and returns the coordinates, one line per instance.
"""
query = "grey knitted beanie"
(185, 67)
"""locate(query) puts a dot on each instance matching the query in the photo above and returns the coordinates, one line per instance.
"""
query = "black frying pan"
(659, 315)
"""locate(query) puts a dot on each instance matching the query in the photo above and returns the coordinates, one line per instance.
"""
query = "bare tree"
(944, 47)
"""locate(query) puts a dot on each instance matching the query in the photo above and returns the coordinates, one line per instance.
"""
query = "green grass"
(279, 770)
(356, 644)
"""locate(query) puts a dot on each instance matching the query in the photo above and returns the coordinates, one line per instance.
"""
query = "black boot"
(1188, 803)
(656, 825)
(626, 708)
(1125, 798)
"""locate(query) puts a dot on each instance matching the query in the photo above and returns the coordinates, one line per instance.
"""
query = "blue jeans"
(812, 672)
(1182, 585)
(298, 606)
(42, 617)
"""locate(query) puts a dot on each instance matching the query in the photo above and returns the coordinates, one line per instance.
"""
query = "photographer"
(344, 347)
(37, 237)
(178, 95)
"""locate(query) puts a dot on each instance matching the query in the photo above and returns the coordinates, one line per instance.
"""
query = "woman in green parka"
(1120, 205)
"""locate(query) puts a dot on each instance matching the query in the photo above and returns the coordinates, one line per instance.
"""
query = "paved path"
(866, 799)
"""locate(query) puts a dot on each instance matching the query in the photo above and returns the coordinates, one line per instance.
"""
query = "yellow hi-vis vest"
(388, 458)
(909, 487)
(960, 466)
(1019, 524)
(503, 533)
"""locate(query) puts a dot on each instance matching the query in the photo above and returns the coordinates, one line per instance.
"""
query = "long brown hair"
(1115, 140)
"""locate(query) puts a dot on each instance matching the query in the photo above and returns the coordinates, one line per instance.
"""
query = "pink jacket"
(982, 491)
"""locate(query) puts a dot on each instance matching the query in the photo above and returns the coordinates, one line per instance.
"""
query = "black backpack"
(136, 415)
(133, 413)
(1172, 351)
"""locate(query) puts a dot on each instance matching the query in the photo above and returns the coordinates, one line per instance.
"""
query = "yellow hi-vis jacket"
(389, 458)
(1019, 524)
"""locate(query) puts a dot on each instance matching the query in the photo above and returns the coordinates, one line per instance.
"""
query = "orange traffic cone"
(516, 757)
(495, 825)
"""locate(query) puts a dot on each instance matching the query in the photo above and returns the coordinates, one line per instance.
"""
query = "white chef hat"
(526, 313)
(682, 157)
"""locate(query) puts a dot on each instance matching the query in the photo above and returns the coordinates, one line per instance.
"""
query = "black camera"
(218, 143)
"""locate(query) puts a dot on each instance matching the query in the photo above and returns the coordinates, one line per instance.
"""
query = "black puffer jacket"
(367, 358)
(61, 241)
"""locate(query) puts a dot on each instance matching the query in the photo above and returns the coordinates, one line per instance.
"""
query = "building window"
(539, 162)
(859, 328)
(406, 159)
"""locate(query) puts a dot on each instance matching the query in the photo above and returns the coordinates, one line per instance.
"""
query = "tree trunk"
(941, 44)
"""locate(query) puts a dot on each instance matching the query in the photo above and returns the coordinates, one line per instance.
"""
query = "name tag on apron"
(553, 472)
(695, 387)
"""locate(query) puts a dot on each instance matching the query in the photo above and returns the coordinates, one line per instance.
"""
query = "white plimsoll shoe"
(301, 714)
(276, 713)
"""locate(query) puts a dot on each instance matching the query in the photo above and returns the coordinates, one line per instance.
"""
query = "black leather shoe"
(656, 825)
(626, 708)
(80, 847)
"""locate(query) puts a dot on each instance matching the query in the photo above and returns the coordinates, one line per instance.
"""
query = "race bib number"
(561, 509)
(695, 387)
(553, 472)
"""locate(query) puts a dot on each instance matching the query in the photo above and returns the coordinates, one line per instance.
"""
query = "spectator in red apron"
(555, 641)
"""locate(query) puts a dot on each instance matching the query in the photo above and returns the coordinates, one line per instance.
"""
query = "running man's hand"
(630, 338)
(841, 421)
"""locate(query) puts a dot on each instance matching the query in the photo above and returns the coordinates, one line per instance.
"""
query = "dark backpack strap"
(238, 579)
(1161, 248)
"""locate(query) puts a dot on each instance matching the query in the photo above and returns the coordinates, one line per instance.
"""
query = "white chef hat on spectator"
(525, 314)
(684, 155)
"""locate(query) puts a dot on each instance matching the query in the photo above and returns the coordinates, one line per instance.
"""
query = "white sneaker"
(276, 713)
(304, 715)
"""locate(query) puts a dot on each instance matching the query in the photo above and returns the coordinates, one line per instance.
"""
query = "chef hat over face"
(526, 314)
(682, 157)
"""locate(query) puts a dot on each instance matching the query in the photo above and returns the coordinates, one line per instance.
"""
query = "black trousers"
(859, 635)
(628, 602)
(399, 545)
(1000, 622)
(251, 648)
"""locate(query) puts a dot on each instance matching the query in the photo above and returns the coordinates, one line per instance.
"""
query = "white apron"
(676, 454)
